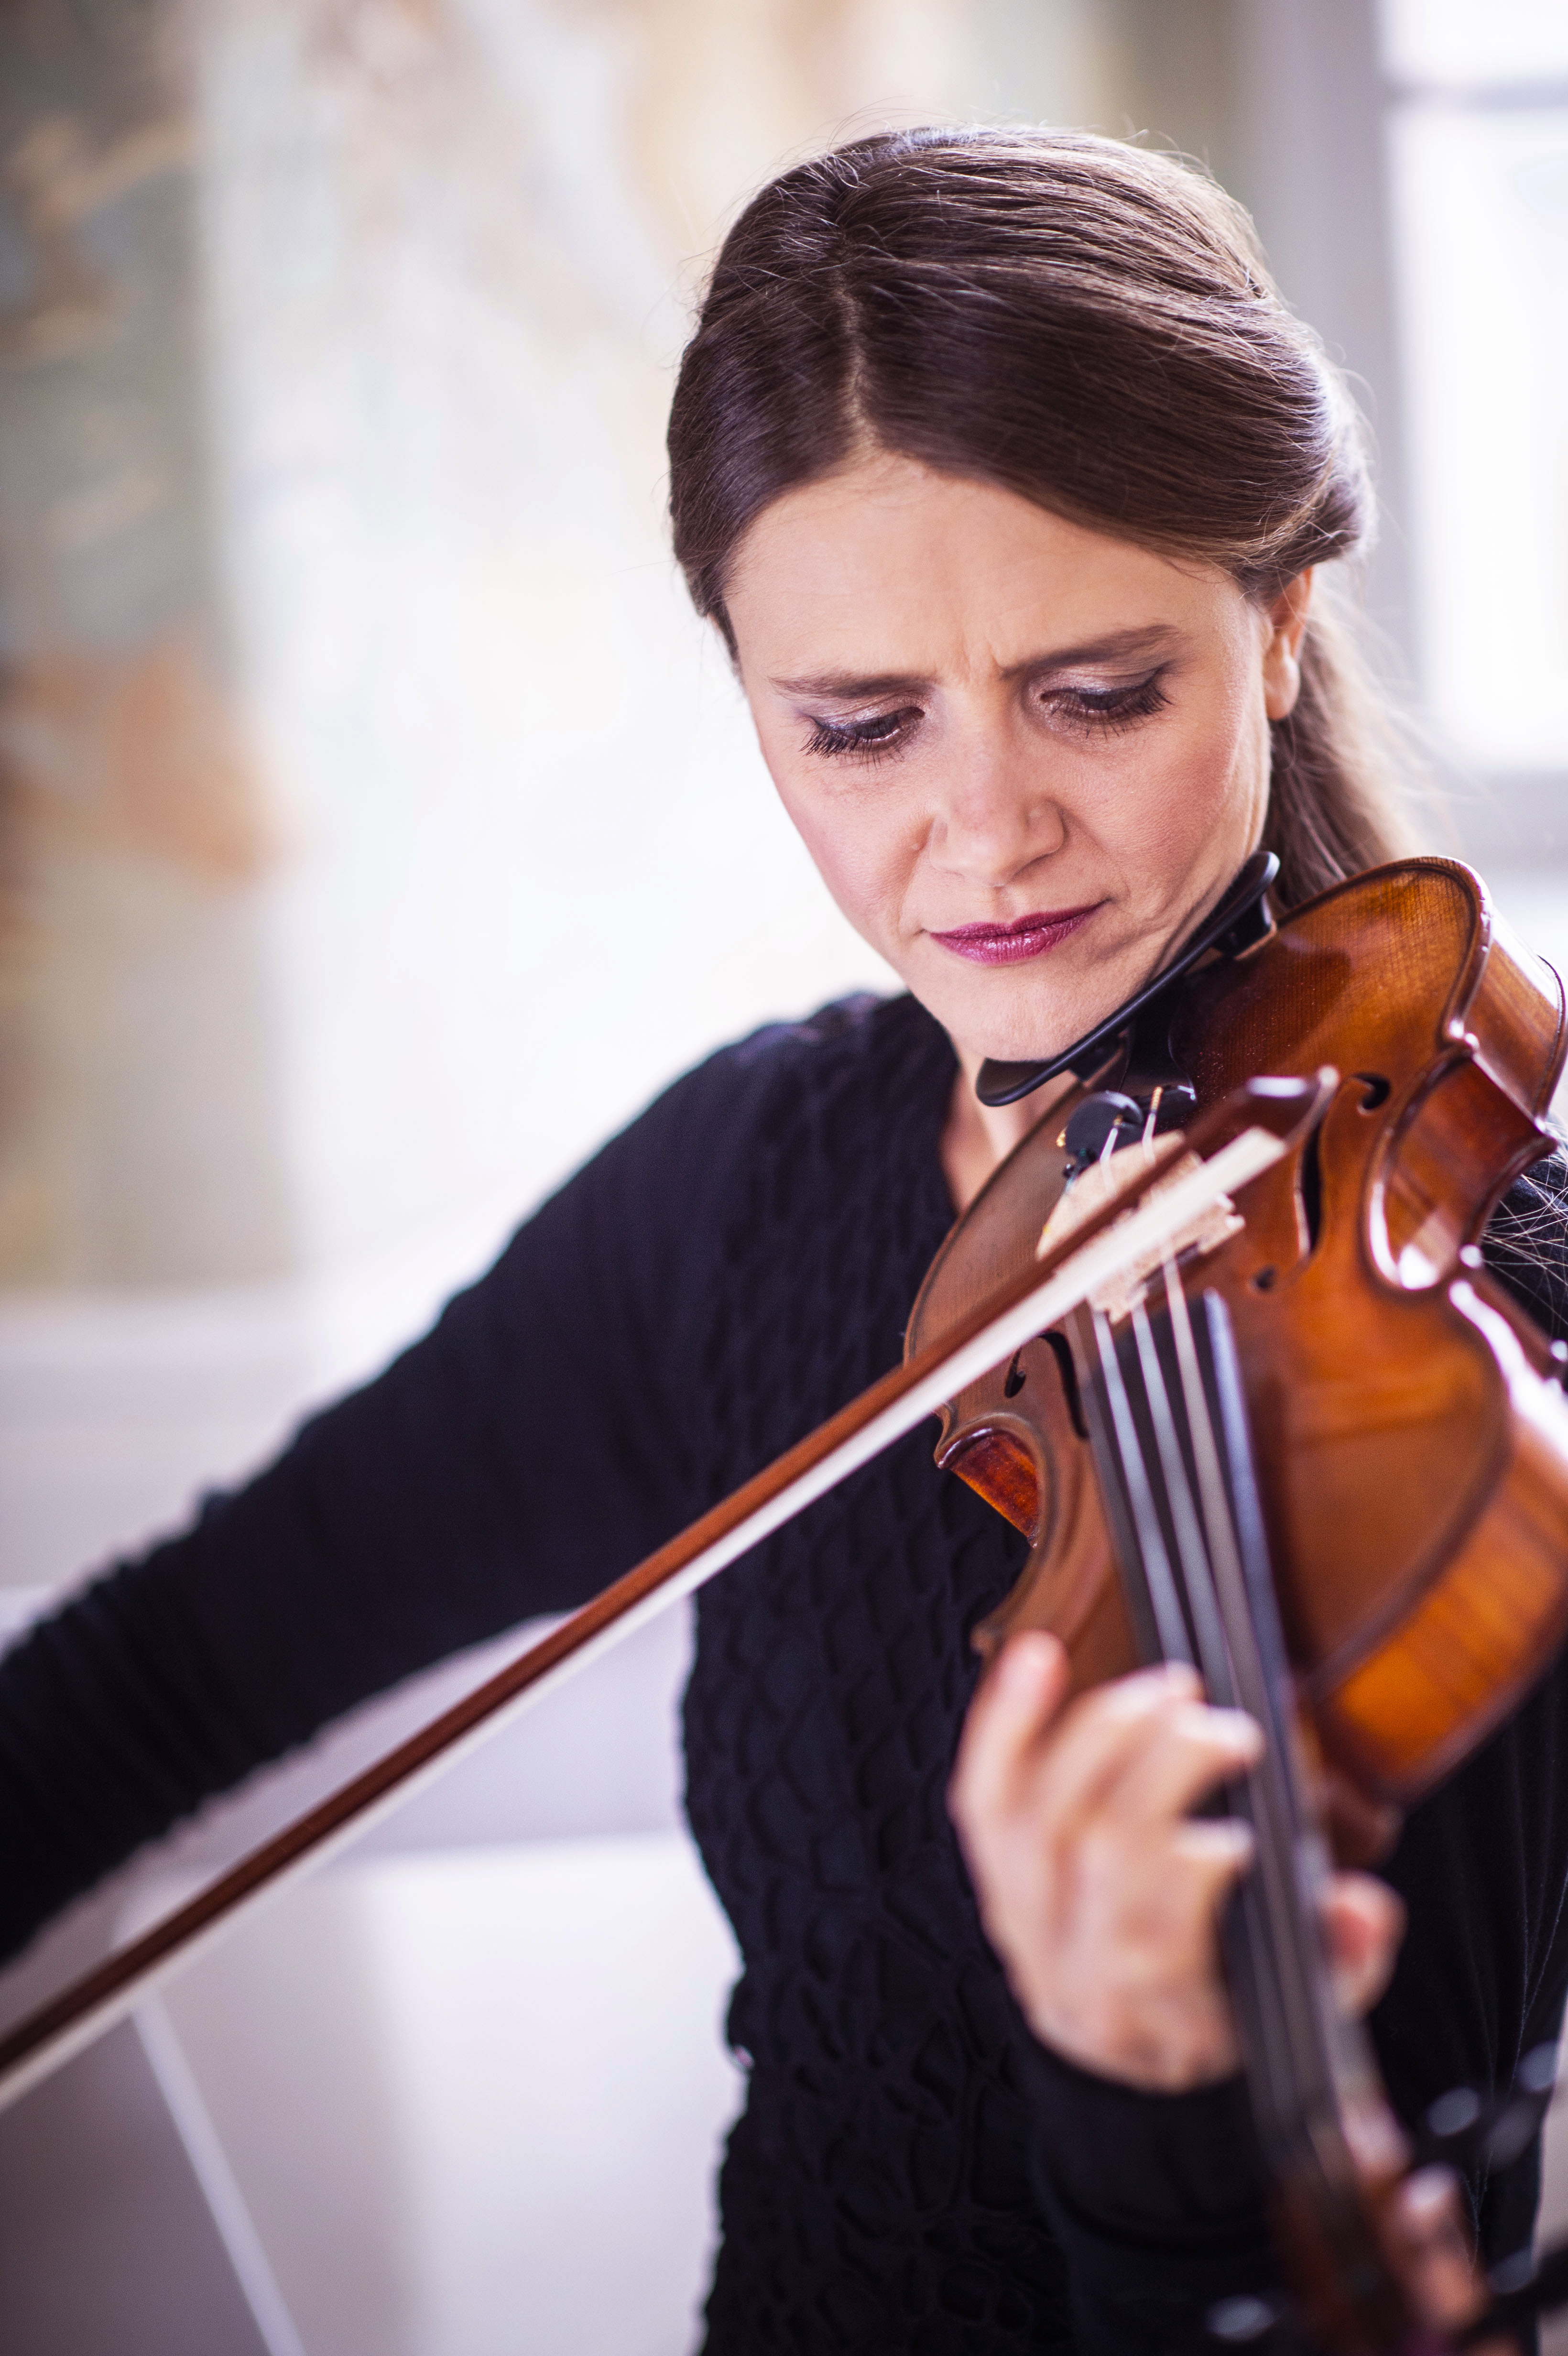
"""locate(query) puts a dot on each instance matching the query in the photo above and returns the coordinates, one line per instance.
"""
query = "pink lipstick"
(1026, 937)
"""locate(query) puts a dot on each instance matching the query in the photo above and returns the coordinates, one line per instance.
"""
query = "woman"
(1003, 473)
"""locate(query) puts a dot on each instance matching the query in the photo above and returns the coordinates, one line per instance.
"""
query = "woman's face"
(1026, 756)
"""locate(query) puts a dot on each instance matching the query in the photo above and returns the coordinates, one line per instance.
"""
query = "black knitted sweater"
(911, 2171)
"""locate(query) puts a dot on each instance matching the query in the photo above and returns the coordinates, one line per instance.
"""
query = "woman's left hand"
(1098, 1890)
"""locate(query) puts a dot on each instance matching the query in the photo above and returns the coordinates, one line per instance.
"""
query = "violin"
(1318, 1454)
(1217, 1339)
(1405, 1416)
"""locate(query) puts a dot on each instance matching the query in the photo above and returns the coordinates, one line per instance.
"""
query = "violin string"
(1276, 2004)
(1212, 1655)
(1159, 1580)
(1271, 2045)
(1215, 1574)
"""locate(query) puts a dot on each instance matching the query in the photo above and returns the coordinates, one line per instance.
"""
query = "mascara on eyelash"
(1111, 709)
(856, 737)
(1114, 708)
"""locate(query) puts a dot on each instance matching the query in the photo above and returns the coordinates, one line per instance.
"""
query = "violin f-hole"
(1017, 1376)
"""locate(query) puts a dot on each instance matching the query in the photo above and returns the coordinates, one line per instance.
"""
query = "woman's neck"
(977, 1139)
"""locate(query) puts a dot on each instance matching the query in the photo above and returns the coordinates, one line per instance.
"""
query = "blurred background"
(378, 830)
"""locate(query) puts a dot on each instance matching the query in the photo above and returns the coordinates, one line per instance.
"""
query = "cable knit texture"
(910, 2173)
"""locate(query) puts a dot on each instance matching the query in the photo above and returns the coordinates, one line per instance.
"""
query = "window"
(1478, 127)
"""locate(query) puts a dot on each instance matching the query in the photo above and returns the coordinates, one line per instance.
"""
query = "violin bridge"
(1118, 1174)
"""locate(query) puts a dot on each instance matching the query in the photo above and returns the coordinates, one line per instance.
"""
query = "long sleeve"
(526, 1450)
(1157, 2202)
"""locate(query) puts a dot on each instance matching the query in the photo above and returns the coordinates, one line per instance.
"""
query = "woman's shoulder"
(861, 1033)
(1526, 1241)
(858, 1052)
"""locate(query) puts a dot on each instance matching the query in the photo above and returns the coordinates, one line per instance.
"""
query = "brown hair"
(1081, 322)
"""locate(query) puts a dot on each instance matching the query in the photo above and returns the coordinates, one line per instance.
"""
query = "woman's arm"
(1100, 1896)
(526, 1450)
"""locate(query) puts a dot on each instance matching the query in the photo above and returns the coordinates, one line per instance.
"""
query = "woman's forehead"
(888, 564)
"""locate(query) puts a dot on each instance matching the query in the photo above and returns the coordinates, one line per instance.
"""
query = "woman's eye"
(862, 740)
(1108, 709)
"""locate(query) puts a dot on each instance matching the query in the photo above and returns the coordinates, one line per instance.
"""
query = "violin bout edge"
(1483, 1631)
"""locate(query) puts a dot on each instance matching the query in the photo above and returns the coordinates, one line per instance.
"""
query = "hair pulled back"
(1083, 322)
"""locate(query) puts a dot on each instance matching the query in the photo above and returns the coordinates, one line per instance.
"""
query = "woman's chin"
(1012, 1018)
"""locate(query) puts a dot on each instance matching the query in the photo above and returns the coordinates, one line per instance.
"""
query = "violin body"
(1411, 1439)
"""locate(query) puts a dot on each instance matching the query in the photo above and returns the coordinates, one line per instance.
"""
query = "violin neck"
(1168, 1424)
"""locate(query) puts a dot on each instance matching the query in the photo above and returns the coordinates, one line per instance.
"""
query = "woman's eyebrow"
(1117, 646)
(1158, 638)
(845, 684)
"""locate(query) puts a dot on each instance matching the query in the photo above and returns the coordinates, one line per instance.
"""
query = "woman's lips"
(1026, 937)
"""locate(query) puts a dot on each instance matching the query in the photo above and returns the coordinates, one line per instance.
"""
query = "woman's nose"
(996, 818)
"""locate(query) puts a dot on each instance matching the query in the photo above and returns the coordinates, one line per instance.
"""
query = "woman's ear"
(1286, 618)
